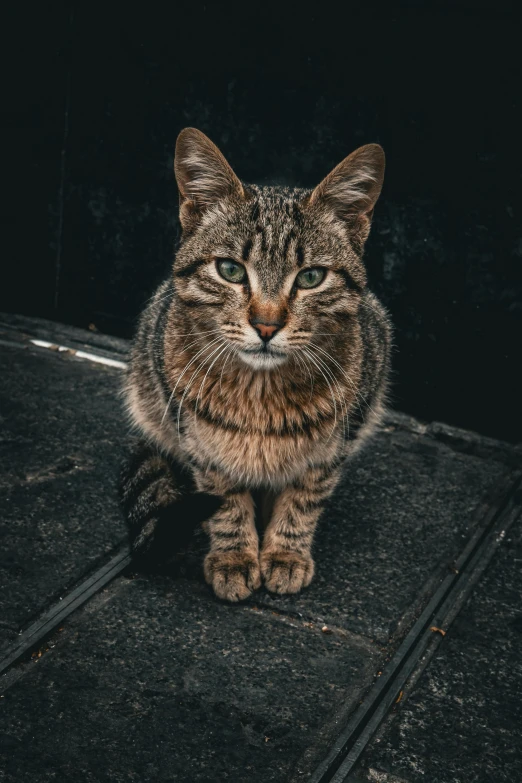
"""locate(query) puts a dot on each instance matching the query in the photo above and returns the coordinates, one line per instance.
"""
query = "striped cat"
(259, 366)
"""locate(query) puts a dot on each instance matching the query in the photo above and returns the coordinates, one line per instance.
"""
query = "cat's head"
(269, 269)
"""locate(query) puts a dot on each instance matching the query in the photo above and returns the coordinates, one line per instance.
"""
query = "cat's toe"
(286, 572)
(232, 575)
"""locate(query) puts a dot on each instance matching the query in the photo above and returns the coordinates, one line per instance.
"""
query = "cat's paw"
(286, 572)
(232, 575)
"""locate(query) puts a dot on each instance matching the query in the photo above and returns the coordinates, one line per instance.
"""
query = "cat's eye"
(231, 270)
(310, 278)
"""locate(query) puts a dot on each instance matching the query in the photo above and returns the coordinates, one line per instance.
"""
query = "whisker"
(153, 300)
(191, 362)
(229, 354)
(331, 391)
(342, 399)
(332, 374)
(189, 384)
(205, 376)
(213, 342)
(195, 334)
(165, 293)
(339, 366)
(358, 396)
(184, 347)
(231, 351)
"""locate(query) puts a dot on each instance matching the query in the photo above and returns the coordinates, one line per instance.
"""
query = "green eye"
(231, 271)
(310, 278)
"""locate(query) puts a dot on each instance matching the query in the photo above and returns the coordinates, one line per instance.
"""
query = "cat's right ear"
(203, 175)
(350, 191)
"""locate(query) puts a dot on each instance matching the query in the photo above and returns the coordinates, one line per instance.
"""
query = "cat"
(259, 366)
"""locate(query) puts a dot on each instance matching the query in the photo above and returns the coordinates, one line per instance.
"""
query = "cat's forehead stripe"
(277, 216)
(247, 247)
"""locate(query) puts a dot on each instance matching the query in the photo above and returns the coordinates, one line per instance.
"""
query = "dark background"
(94, 98)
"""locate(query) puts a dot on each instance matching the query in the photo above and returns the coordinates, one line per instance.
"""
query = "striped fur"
(160, 503)
(228, 416)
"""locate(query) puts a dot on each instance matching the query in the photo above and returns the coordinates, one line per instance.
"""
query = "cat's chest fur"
(257, 428)
(258, 459)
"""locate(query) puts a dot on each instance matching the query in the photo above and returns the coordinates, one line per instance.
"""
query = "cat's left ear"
(203, 175)
(351, 190)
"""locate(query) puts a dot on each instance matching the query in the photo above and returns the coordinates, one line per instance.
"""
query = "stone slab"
(61, 442)
(158, 681)
(462, 721)
(400, 516)
(63, 436)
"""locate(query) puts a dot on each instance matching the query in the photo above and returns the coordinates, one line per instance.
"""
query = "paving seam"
(442, 621)
(30, 639)
(440, 612)
(492, 500)
(427, 646)
(62, 608)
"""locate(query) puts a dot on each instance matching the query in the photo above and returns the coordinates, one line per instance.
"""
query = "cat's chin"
(263, 360)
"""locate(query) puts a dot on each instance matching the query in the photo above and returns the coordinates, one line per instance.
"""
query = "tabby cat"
(260, 364)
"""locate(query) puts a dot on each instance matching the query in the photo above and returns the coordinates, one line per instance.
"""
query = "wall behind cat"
(95, 103)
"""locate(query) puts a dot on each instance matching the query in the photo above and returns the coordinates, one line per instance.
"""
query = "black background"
(93, 100)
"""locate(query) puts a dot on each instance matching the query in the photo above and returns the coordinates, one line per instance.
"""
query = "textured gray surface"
(462, 723)
(156, 680)
(62, 437)
(396, 522)
(168, 684)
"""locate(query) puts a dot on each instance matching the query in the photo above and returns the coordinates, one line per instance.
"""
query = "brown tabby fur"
(280, 421)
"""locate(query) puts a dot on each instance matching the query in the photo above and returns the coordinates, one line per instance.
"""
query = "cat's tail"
(160, 503)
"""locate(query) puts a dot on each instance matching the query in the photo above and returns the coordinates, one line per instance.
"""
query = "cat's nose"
(265, 330)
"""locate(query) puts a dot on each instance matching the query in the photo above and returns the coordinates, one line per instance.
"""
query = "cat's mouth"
(262, 358)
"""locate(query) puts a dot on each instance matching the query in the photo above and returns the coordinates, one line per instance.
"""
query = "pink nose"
(265, 331)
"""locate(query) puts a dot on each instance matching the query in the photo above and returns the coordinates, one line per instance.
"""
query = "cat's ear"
(203, 176)
(351, 190)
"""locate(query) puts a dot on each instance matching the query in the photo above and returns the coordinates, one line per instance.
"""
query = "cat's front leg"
(232, 565)
(286, 558)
